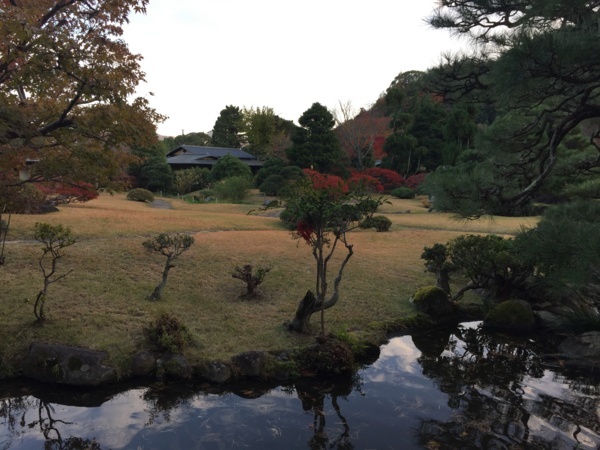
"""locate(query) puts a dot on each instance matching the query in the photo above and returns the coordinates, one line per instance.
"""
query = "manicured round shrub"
(433, 301)
(380, 223)
(403, 192)
(140, 195)
(511, 315)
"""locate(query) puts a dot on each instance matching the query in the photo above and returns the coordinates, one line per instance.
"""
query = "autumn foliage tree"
(358, 133)
(324, 210)
(66, 83)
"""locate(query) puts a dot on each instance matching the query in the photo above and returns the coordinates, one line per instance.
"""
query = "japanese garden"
(456, 219)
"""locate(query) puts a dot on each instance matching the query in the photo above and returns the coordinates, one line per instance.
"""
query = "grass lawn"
(103, 303)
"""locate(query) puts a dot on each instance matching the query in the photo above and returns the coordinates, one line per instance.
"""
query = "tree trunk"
(158, 289)
(443, 281)
(306, 308)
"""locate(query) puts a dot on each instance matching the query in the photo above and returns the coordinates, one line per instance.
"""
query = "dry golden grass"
(102, 304)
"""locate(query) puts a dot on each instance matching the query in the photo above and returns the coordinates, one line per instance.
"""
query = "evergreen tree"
(315, 145)
(228, 129)
(542, 81)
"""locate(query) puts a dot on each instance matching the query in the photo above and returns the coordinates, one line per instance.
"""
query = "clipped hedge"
(403, 193)
(380, 223)
(140, 195)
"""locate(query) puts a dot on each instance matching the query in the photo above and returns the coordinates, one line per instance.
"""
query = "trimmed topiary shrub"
(511, 315)
(380, 223)
(140, 195)
(433, 301)
(403, 192)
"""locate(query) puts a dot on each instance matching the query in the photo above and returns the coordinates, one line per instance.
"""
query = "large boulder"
(63, 364)
(433, 301)
(586, 345)
(513, 316)
(581, 352)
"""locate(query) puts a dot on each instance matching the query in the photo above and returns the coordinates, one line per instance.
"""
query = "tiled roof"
(198, 152)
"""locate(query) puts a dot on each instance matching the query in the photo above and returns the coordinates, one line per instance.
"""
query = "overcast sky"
(202, 55)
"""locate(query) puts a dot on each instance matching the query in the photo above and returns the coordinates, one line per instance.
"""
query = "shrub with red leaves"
(389, 179)
(414, 181)
(331, 183)
(59, 193)
(364, 183)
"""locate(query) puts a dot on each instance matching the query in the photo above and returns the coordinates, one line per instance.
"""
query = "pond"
(450, 389)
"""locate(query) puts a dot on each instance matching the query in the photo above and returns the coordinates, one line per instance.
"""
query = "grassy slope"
(102, 304)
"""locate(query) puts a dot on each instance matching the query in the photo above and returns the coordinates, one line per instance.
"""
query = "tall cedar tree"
(315, 145)
(227, 132)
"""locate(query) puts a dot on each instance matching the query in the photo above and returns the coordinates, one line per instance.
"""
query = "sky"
(203, 55)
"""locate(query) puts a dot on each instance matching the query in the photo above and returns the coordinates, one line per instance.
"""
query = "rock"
(514, 316)
(173, 366)
(545, 319)
(144, 364)
(249, 364)
(63, 364)
(433, 301)
(586, 345)
(214, 371)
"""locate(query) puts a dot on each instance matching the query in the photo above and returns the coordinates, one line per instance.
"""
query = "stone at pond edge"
(586, 345)
(173, 366)
(249, 364)
(143, 364)
(63, 364)
(214, 371)
(511, 316)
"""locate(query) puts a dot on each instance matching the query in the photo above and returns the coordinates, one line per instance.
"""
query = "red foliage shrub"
(415, 180)
(58, 193)
(365, 183)
(389, 179)
(331, 183)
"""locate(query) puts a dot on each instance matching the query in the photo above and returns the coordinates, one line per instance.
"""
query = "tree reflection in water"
(498, 392)
(313, 397)
(488, 380)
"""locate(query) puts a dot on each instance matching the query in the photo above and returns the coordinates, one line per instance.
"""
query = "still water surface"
(451, 389)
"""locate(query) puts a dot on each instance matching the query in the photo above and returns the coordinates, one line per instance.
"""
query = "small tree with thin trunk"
(324, 211)
(54, 239)
(170, 246)
(252, 278)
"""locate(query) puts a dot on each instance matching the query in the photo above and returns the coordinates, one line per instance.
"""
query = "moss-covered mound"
(511, 315)
(433, 301)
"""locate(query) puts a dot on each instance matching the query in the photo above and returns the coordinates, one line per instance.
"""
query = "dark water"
(453, 389)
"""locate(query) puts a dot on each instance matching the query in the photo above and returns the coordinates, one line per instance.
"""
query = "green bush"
(429, 293)
(272, 185)
(380, 223)
(511, 312)
(234, 189)
(403, 192)
(167, 334)
(140, 195)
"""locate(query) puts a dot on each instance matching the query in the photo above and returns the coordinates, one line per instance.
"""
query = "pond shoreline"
(76, 366)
